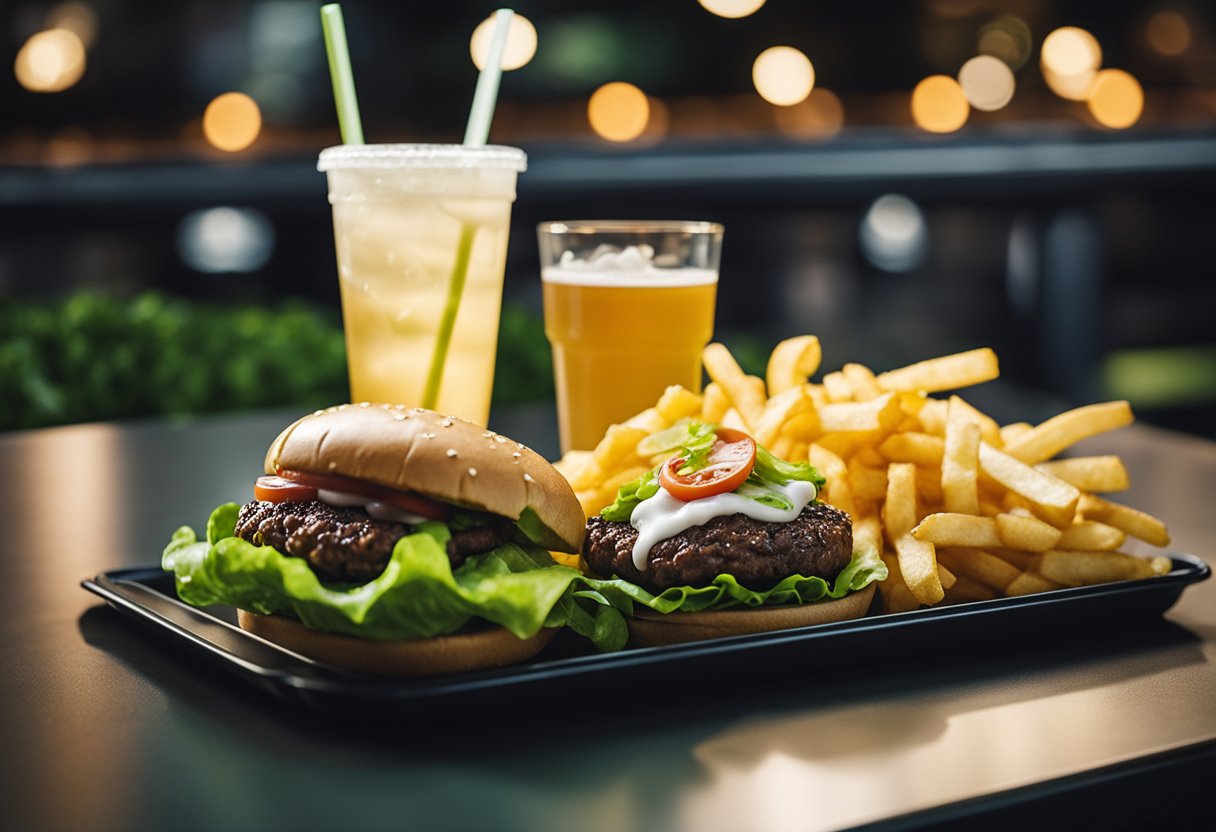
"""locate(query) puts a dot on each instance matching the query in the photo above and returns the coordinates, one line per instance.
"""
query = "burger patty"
(817, 542)
(344, 544)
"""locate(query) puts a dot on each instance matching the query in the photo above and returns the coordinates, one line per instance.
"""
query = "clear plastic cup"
(421, 236)
(629, 307)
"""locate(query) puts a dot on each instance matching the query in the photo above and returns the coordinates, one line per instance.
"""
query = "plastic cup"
(421, 237)
(629, 307)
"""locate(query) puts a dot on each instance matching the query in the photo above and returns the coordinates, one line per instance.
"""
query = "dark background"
(1083, 255)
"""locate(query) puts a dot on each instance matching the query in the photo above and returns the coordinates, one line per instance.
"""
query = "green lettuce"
(725, 593)
(517, 586)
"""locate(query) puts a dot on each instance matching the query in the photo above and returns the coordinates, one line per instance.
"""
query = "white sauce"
(663, 516)
(375, 509)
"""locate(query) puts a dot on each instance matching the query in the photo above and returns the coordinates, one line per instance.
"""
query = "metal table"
(108, 726)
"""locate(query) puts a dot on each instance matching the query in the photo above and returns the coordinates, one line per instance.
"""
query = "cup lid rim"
(437, 156)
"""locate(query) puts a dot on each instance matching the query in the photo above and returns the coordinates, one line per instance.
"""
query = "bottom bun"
(650, 629)
(491, 647)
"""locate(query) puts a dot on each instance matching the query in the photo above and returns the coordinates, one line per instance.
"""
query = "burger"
(397, 541)
(723, 538)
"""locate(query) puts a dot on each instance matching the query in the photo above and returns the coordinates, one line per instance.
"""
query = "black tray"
(567, 669)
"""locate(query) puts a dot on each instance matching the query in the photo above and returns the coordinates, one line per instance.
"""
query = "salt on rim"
(436, 156)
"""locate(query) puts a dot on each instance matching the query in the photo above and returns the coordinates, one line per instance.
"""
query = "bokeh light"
(987, 82)
(1070, 59)
(1116, 100)
(732, 8)
(783, 75)
(521, 42)
(893, 234)
(939, 104)
(75, 17)
(232, 121)
(618, 112)
(1007, 38)
(223, 240)
(1169, 33)
(820, 116)
(50, 61)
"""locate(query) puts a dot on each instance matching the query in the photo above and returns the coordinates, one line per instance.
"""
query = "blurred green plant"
(92, 357)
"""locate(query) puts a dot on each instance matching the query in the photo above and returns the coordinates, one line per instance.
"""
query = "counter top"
(109, 726)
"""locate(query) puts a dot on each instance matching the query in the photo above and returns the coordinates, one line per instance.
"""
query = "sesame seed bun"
(491, 647)
(443, 457)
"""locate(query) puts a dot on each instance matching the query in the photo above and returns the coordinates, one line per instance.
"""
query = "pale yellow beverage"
(619, 340)
(421, 238)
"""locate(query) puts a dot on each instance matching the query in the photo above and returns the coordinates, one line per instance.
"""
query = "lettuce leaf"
(417, 596)
(725, 593)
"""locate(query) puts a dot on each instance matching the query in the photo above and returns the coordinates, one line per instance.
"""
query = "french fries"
(959, 507)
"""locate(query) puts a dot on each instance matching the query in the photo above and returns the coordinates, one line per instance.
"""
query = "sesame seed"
(500, 439)
(488, 434)
(427, 435)
(400, 417)
(343, 406)
(527, 478)
(333, 465)
(451, 453)
(472, 472)
(317, 412)
(447, 423)
(365, 404)
(516, 455)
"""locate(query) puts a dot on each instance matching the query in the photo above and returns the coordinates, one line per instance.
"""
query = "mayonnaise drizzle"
(663, 516)
(374, 508)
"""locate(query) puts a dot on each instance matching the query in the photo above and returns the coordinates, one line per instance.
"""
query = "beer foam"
(632, 266)
(653, 279)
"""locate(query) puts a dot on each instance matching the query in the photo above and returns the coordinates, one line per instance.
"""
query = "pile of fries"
(960, 507)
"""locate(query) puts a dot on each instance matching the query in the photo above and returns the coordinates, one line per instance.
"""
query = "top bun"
(439, 456)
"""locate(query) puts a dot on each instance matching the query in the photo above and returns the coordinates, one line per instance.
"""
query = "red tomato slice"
(279, 490)
(730, 462)
(404, 500)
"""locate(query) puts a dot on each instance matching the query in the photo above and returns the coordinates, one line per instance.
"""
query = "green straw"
(340, 72)
(486, 94)
(475, 135)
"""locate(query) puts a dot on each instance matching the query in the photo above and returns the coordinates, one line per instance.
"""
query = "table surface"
(108, 726)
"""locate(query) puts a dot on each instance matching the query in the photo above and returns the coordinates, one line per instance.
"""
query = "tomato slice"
(279, 490)
(404, 500)
(729, 463)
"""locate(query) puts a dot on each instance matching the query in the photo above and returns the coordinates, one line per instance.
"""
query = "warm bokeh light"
(232, 121)
(987, 82)
(1071, 51)
(1007, 38)
(732, 8)
(1070, 59)
(1116, 100)
(1169, 33)
(820, 116)
(939, 104)
(50, 61)
(521, 42)
(783, 75)
(618, 112)
(75, 17)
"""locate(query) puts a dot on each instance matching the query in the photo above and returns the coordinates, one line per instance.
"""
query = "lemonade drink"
(421, 238)
(628, 309)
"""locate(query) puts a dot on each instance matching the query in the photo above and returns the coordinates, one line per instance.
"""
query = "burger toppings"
(819, 541)
(718, 469)
(714, 472)
(380, 502)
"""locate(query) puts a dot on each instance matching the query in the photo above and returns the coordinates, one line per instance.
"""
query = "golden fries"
(959, 507)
